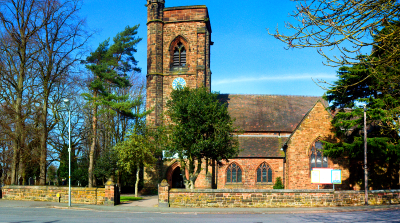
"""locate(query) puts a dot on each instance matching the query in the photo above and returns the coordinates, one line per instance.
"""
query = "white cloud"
(254, 78)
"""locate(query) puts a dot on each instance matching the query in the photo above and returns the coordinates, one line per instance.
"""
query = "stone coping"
(50, 187)
(185, 7)
(276, 191)
(248, 191)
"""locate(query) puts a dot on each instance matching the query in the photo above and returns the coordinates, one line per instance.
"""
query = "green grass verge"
(129, 198)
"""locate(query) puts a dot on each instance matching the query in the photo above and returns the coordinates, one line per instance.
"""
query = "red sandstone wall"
(194, 48)
(164, 26)
(79, 195)
(201, 181)
(249, 173)
(316, 126)
(229, 198)
(189, 13)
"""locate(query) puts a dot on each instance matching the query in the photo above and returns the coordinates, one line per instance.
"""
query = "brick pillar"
(111, 196)
(163, 194)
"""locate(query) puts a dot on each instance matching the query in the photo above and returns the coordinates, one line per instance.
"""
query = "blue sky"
(244, 58)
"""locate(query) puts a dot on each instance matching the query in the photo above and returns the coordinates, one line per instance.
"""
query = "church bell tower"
(178, 52)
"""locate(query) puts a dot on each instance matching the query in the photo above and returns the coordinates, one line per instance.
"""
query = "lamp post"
(67, 103)
(365, 156)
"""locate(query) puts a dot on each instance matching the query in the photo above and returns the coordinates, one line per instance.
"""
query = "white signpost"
(326, 176)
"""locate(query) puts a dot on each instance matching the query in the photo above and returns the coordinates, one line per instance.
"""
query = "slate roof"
(261, 147)
(266, 113)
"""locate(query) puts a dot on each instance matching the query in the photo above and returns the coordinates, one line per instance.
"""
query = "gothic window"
(233, 174)
(179, 57)
(264, 174)
(317, 159)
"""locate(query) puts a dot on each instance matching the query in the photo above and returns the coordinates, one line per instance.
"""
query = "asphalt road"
(53, 215)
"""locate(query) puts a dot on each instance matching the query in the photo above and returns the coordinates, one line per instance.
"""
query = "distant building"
(282, 134)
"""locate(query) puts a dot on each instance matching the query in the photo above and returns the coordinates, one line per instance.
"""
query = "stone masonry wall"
(165, 28)
(79, 195)
(315, 126)
(201, 181)
(249, 173)
(278, 198)
(189, 31)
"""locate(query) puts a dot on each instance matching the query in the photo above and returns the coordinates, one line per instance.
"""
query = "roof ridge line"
(304, 96)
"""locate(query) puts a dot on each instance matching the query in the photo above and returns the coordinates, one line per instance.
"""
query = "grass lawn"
(129, 198)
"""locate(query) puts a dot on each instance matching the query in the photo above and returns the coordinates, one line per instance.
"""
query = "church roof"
(261, 147)
(268, 113)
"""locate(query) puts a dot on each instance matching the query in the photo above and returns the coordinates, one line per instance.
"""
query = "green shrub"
(278, 183)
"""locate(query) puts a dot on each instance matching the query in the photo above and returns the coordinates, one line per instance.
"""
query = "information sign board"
(337, 176)
(326, 176)
(315, 176)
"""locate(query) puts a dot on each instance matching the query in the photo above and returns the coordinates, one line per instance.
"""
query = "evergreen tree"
(278, 183)
(381, 93)
(111, 66)
(201, 128)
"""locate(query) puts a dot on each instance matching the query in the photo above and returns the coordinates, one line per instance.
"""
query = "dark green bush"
(278, 183)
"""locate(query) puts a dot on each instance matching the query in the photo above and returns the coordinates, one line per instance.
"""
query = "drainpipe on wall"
(284, 148)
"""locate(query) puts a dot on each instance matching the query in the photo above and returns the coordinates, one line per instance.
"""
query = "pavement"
(147, 205)
(147, 201)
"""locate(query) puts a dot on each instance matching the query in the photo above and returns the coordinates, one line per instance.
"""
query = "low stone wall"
(79, 195)
(277, 198)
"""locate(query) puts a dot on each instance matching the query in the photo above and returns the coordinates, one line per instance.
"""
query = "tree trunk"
(137, 179)
(194, 174)
(43, 143)
(93, 146)
(14, 163)
(21, 169)
(18, 150)
(186, 181)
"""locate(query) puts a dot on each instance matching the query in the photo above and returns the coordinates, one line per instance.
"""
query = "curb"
(234, 212)
(198, 211)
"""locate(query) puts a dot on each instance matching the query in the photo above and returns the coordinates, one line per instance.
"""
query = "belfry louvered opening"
(179, 56)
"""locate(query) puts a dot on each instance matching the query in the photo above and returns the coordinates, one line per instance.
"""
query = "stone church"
(281, 135)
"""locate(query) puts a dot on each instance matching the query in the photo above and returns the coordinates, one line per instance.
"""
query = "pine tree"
(111, 66)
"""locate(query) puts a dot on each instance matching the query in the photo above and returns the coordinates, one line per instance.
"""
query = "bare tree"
(60, 39)
(20, 21)
(40, 42)
(349, 26)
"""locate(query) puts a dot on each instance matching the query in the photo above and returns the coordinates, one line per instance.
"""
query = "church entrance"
(177, 179)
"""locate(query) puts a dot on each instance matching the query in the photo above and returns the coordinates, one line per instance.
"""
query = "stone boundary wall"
(79, 195)
(277, 198)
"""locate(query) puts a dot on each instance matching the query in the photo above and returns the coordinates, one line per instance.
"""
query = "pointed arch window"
(234, 174)
(179, 57)
(264, 174)
(317, 159)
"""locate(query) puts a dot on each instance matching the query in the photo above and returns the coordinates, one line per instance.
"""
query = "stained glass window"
(317, 159)
(233, 174)
(264, 174)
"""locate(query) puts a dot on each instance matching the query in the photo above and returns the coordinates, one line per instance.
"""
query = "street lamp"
(365, 156)
(67, 103)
